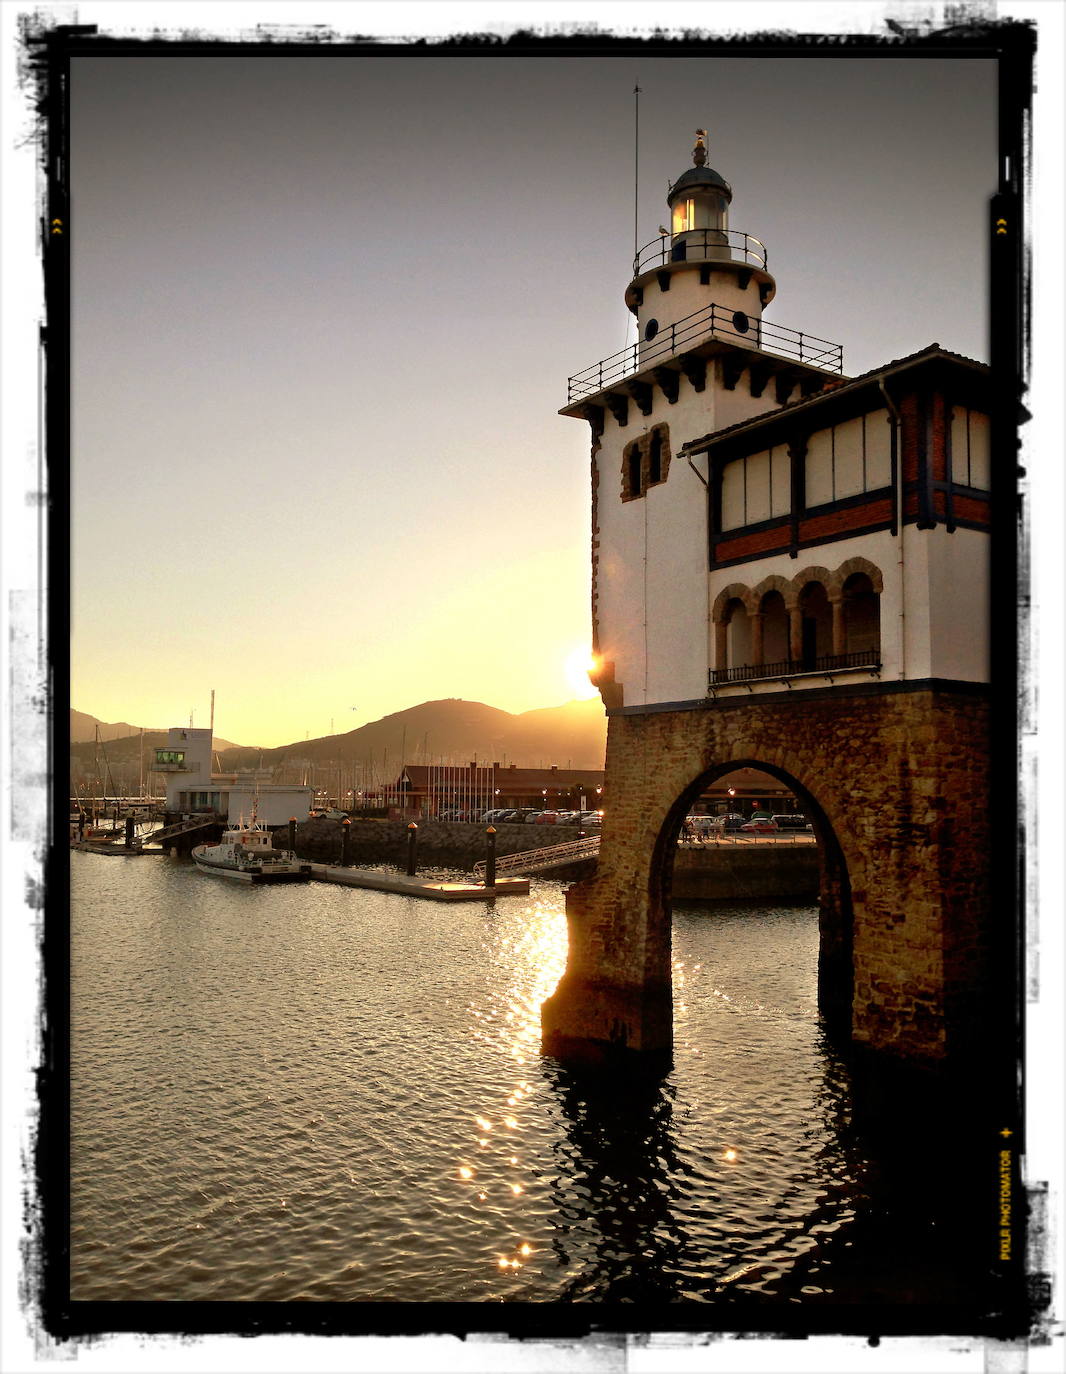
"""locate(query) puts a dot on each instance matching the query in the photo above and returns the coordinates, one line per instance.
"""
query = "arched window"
(862, 615)
(738, 634)
(774, 628)
(816, 625)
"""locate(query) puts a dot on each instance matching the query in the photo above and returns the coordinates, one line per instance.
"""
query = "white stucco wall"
(959, 600)
(686, 296)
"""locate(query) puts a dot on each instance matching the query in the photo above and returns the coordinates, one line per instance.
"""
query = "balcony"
(826, 664)
(712, 322)
(700, 245)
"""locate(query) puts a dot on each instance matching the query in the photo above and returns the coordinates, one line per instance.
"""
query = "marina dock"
(434, 889)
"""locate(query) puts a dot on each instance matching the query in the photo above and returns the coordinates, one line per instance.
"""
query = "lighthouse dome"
(699, 178)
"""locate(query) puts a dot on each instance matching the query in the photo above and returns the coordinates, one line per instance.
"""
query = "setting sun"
(579, 663)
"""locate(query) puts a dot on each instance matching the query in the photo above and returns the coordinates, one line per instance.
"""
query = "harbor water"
(323, 1093)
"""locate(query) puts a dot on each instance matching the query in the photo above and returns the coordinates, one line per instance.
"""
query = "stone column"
(616, 991)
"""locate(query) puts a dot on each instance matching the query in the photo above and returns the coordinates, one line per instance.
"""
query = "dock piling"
(490, 857)
(346, 843)
(412, 840)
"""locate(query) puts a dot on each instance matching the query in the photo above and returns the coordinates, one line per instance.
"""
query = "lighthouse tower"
(789, 572)
(705, 360)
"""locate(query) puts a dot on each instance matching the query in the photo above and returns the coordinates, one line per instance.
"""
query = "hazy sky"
(324, 311)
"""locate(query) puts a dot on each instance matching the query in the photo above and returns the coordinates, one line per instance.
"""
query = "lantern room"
(699, 198)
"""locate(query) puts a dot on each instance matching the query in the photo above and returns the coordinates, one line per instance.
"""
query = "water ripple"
(323, 1094)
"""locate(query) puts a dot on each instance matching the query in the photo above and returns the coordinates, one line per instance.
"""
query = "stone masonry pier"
(896, 782)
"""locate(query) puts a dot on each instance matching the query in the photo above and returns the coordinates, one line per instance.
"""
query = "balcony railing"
(713, 321)
(793, 667)
(700, 245)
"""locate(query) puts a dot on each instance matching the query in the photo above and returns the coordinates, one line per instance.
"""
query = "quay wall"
(440, 844)
(718, 872)
(725, 872)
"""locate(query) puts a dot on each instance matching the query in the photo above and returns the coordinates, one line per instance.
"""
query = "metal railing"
(792, 667)
(700, 245)
(168, 832)
(713, 321)
(536, 860)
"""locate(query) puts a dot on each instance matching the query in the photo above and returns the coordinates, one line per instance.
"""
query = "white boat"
(246, 853)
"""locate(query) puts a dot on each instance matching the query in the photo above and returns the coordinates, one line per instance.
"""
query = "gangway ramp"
(541, 860)
(168, 832)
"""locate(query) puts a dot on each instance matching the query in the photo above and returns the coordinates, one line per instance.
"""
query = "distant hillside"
(83, 728)
(455, 731)
(450, 731)
(83, 731)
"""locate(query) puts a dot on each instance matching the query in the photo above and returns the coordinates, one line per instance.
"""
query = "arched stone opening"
(862, 615)
(774, 614)
(905, 847)
(836, 978)
(738, 634)
(816, 625)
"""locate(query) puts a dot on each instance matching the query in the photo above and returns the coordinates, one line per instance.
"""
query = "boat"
(246, 853)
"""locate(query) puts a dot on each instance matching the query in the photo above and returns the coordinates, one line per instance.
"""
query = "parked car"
(545, 818)
(791, 822)
(567, 817)
(730, 822)
(762, 826)
(591, 818)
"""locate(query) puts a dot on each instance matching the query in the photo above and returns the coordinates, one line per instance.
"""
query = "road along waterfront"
(323, 1093)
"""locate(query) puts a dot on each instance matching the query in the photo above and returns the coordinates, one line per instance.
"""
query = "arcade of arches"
(903, 832)
(816, 619)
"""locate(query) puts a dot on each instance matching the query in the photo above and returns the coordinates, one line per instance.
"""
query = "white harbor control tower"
(194, 789)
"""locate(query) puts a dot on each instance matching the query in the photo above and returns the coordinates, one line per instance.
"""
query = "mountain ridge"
(450, 730)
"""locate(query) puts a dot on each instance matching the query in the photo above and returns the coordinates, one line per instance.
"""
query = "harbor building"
(195, 789)
(790, 573)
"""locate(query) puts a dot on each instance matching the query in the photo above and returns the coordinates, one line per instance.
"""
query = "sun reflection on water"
(509, 1019)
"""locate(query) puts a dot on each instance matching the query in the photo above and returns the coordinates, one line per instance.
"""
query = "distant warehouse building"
(432, 788)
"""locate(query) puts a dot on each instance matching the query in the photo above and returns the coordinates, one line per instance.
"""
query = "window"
(170, 756)
(684, 216)
(758, 487)
(970, 448)
(645, 462)
(848, 459)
